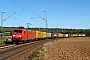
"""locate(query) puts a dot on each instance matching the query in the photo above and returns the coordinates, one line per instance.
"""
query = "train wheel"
(23, 42)
(17, 42)
(28, 41)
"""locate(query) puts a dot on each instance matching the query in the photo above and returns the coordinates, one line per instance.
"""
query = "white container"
(84, 35)
(48, 35)
(66, 35)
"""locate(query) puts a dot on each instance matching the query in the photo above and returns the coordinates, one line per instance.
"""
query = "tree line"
(52, 30)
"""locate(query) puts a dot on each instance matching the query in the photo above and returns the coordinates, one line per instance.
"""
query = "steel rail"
(11, 52)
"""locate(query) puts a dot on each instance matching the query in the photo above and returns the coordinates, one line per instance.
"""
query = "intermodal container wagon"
(53, 35)
(66, 35)
(37, 35)
(48, 35)
(43, 34)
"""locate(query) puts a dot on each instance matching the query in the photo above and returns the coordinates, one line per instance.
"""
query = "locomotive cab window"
(17, 31)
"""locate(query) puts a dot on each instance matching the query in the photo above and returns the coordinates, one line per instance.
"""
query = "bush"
(7, 34)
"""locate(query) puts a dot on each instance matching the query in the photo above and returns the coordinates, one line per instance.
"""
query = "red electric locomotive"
(22, 35)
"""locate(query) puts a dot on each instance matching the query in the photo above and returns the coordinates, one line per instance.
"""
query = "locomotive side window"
(17, 31)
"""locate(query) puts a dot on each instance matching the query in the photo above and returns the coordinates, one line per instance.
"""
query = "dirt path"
(69, 49)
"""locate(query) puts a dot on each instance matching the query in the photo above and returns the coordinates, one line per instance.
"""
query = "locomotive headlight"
(19, 35)
(13, 35)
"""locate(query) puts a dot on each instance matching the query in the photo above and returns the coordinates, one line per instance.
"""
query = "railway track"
(6, 53)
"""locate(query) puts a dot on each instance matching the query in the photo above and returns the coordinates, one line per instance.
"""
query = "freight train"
(22, 35)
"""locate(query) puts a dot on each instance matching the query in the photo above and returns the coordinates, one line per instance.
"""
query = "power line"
(30, 9)
(2, 20)
(11, 10)
(19, 20)
(6, 7)
(9, 16)
(13, 17)
(38, 15)
(12, 14)
(21, 8)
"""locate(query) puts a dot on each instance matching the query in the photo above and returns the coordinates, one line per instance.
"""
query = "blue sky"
(60, 13)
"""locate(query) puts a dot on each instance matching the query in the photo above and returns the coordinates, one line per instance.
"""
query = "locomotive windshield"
(17, 31)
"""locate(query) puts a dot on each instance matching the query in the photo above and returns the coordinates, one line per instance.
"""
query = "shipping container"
(43, 34)
(84, 35)
(66, 35)
(80, 35)
(53, 35)
(60, 35)
(48, 35)
(37, 34)
(76, 35)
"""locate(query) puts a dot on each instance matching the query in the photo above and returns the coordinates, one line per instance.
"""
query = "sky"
(71, 14)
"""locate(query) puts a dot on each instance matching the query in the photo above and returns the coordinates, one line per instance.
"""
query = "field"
(69, 49)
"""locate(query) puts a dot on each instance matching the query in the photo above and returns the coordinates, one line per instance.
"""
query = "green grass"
(39, 55)
(42, 53)
(2, 39)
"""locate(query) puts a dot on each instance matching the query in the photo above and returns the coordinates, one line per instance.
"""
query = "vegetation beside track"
(3, 38)
(42, 52)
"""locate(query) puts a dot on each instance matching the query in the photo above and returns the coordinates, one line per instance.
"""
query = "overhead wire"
(38, 16)
(11, 10)
(21, 8)
(15, 18)
(12, 14)
(31, 10)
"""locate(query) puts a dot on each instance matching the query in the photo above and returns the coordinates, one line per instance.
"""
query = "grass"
(2, 39)
(42, 53)
(39, 55)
